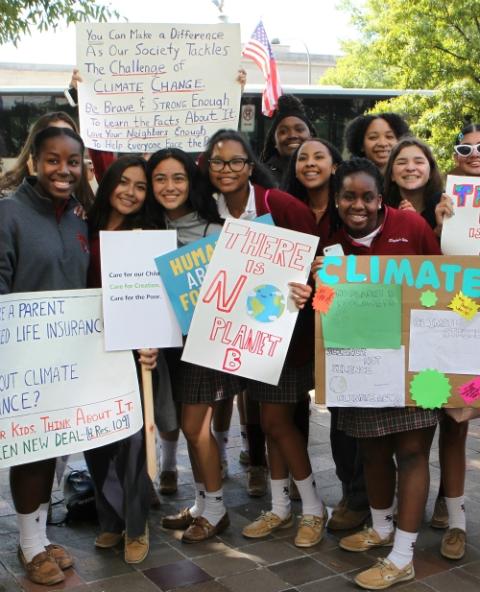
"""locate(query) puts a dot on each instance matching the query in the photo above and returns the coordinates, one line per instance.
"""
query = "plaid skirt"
(194, 384)
(374, 423)
(292, 387)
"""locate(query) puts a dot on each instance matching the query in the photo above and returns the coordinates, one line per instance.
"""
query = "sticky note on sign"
(430, 389)
(463, 305)
(470, 391)
(322, 301)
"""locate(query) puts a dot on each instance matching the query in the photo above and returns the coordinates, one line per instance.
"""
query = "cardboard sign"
(60, 392)
(244, 318)
(183, 271)
(461, 232)
(152, 86)
(137, 311)
(438, 356)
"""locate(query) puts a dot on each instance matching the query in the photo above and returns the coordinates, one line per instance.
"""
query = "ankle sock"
(169, 455)
(456, 512)
(214, 507)
(280, 499)
(30, 539)
(382, 521)
(311, 502)
(403, 547)
(222, 441)
(199, 503)
(42, 523)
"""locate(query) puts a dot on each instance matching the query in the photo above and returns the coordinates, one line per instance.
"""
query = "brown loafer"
(168, 482)
(42, 569)
(179, 521)
(61, 555)
(201, 529)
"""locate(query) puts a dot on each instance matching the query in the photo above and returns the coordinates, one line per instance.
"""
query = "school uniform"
(402, 232)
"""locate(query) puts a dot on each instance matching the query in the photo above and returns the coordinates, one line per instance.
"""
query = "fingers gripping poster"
(60, 391)
(244, 317)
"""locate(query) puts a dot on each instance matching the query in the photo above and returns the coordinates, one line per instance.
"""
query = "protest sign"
(182, 272)
(438, 356)
(461, 232)
(244, 318)
(152, 86)
(137, 311)
(60, 392)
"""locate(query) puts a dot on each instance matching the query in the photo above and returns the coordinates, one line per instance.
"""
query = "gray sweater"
(41, 249)
(191, 228)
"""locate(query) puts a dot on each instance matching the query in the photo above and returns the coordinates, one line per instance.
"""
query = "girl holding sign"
(311, 178)
(241, 187)
(174, 202)
(122, 485)
(44, 247)
(413, 182)
(365, 226)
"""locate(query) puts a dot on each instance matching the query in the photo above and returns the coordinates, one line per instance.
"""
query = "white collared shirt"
(250, 212)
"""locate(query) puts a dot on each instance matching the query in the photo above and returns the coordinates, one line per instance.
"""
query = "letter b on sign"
(232, 360)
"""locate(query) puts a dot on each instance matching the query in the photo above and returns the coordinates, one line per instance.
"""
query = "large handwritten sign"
(136, 308)
(461, 232)
(153, 86)
(244, 318)
(60, 392)
(439, 351)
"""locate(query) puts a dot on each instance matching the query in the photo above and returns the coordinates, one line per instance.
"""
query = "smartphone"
(333, 250)
(72, 96)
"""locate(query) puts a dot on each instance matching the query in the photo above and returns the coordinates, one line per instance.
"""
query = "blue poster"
(182, 272)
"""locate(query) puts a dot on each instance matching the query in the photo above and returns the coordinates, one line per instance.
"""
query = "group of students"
(390, 188)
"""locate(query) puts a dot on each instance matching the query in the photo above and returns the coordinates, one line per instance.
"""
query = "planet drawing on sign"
(265, 303)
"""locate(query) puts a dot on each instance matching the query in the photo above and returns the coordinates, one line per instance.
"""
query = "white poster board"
(244, 318)
(137, 311)
(152, 86)
(60, 392)
(461, 232)
(365, 377)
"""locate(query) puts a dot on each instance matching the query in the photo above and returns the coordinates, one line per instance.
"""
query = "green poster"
(364, 316)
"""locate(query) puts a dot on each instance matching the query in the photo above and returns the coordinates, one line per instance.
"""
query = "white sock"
(42, 523)
(382, 521)
(30, 539)
(199, 504)
(222, 441)
(311, 502)
(243, 434)
(403, 547)
(214, 507)
(456, 512)
(169, 455)
(280, 499)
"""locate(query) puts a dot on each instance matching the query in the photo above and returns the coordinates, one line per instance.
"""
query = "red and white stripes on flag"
(259, 50)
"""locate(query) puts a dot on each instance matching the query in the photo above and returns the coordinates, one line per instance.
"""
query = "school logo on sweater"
(398, 240)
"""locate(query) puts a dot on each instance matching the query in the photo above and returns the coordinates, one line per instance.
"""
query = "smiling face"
(378, 142)
(411, 169)
(359, 204)
(129, 195)
(59, 166)
(290, 133)
(314, 165)
(170, 187)
(469, 165)
(226, 180)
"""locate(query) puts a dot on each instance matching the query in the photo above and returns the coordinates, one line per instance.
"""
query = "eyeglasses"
(467, 149)
(236, 164)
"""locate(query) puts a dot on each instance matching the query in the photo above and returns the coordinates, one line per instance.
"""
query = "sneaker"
(168, 482)
(224, 469)
(383, 575)
(293, 492)
(343, 518)
(265, 524)
(42, 569)
(311, 529)
(61, 555)
(107, 540)
(244, 457)
(453, 543)
(257, 481)
(440, 514)
(364, 540)
(136, 548)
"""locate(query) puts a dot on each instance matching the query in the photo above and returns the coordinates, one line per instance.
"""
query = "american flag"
(259, 50)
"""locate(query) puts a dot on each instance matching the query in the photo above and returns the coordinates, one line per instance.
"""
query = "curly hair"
(357, 128)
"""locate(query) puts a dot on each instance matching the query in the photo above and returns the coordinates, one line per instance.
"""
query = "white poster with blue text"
(60, 391)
